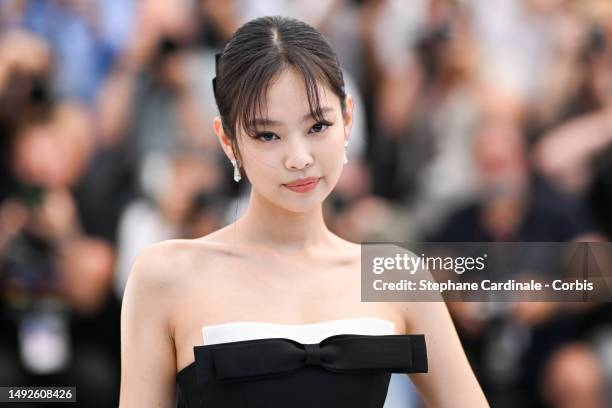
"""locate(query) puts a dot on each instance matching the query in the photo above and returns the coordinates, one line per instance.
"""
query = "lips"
(303, 185)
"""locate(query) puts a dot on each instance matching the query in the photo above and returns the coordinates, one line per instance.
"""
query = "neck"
(267, 224)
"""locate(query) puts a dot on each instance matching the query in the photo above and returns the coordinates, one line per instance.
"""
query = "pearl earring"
(237, 175)
(345, 156)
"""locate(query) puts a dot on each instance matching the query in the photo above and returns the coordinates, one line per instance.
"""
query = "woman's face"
(291, 145)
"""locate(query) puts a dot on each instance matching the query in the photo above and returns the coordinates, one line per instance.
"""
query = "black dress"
(345, 370)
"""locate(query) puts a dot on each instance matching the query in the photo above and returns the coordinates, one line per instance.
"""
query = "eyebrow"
(273, 122)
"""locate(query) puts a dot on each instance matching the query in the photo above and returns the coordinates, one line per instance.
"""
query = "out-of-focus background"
(475, 121)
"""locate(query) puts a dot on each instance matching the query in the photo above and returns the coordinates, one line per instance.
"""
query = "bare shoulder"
(157, 263)
(165, 274)
(151, 292)
(167, 265)
(151, 278)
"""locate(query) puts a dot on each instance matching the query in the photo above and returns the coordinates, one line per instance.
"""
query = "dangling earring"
(345, 157)
(237, 175)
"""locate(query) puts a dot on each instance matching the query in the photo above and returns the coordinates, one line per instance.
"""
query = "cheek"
(330, 151)
(259, 165)
(328, 156)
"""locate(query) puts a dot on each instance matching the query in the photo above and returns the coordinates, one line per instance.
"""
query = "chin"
(301, 204)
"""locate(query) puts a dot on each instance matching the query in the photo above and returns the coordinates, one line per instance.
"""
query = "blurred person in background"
(150, 103)
(51, 267)
(55, 270)
(444, 120)
(425, 107)
(509, 194)
(575, 155)
(566, 90)
(509, 346)
(390, 33)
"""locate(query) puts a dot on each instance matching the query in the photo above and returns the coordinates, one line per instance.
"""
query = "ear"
(224, 139)
(348, 116)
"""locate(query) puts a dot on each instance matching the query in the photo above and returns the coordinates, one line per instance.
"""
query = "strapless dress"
(339, 363)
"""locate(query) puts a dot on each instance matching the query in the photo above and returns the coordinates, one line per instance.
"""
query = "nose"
(299, 155)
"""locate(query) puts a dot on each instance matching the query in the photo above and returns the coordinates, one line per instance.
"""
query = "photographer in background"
(59, 321)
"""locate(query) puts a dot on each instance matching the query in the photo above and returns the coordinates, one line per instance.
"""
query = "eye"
(320, 127)
(266, 136)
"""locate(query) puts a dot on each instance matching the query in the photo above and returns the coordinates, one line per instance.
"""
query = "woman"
(278, 272)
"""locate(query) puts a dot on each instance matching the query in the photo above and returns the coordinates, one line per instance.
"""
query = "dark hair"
(258, 51)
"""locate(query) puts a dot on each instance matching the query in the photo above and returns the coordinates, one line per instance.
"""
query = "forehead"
(287, 99)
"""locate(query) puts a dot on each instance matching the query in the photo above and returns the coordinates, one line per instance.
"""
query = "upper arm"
(450, 381)
(148, 359)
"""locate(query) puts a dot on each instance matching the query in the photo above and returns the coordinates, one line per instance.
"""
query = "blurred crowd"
(474, 121)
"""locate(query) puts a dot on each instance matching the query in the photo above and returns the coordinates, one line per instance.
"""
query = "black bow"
(340, 353)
